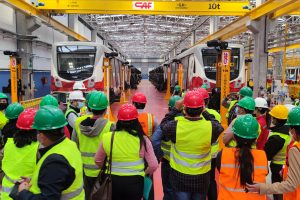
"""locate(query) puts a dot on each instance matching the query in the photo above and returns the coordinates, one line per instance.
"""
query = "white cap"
(78, 85)
(76, 95)
(261, 103)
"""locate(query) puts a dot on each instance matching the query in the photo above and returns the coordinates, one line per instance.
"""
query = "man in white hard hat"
(76, 102)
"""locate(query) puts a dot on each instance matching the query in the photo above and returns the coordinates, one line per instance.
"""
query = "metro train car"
(199, 67)
(83, 61)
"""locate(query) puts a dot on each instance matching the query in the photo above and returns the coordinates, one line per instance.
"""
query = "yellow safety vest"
(232, 103)
(17, 162)
(126, 160)
(88, 147)
(191, 154)
(166, 145)
(280, 157)
(3, 120)
(69, 151)
(215, 147)
(83, 111)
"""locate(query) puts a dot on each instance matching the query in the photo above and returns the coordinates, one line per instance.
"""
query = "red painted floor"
(158, 107)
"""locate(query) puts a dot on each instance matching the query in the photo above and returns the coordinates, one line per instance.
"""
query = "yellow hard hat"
(279, 112)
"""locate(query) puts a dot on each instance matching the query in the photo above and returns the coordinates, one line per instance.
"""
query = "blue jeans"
(165, 176)
(189, 196)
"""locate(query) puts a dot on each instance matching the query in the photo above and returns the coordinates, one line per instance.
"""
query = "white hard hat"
(78, 85)
(76, 95)
(289, 106)
(261, 103)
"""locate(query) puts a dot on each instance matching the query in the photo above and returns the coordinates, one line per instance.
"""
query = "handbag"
(102, 189)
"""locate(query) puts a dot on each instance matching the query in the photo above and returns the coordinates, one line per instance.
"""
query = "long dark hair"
(24, 137)
(133, 127)
(244, 160)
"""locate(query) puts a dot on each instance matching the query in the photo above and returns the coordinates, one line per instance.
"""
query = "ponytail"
(244, 160)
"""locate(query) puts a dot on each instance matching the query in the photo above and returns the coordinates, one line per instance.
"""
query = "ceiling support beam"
(31, 10)
(238, 26)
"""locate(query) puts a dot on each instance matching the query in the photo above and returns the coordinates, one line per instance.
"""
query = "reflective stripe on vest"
(126, 159)
(280, 157)
(191, 152)
(166, 148)
(147, 122)
(69, 151)
(70, 110)
(232, 103)
(229, 179)
(17, 162)
(215, 147)
(88, 147)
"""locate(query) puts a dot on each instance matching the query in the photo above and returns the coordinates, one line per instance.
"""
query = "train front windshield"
(210, 57)
(75, 63)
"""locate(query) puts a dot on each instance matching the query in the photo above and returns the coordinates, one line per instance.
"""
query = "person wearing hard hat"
(242, 165)
(51, 100)
(147, 120)
(290, 188)
(233, 106)
(76, 103)
(191, 137)
(79, 86)
(20, 153)
(12, 113)
(276, 145)
(3, 106)
(245, 106)
(88, 133)
(162, 149)
(177, 90)
(59, 173)
(261, 108)
(212, 191)
(129, 149)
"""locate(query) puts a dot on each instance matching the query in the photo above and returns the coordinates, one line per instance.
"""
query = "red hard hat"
(139, 98)
(193, 99)
(26, 118)
(127, 112)
(203, 92)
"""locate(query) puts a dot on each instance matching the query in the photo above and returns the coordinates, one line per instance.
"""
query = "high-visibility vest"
(280, 157)
(69, 111)
(296, 194)
(191, 154)
(17, 162)
(88, 147)
(70, 152)
(232, 103)
(147, 122)
(83, 110)
(215, 147)
(166, 145)
(126, 160)
(3, 120)
(229, 179)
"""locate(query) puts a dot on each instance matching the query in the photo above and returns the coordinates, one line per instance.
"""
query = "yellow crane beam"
(238, 26)
(288, 47)
(147, 7)
(33, 11)
(286, 10)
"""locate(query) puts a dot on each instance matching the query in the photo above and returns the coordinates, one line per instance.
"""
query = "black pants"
(127, 187)
(88, 185)
(276, 177)
(212, 193)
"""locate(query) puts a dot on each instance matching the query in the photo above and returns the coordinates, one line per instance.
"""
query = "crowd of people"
(51, 154)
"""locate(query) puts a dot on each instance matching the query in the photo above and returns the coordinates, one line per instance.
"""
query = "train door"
(190, 72)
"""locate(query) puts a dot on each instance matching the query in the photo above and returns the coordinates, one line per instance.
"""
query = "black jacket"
(275, 143)
(56, 175)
